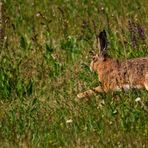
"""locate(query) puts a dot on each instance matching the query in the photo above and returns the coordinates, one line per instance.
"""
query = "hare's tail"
(90, 92)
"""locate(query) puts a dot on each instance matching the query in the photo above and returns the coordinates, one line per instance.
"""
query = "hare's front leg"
(90, 92)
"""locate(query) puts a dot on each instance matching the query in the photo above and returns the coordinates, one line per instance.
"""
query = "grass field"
(44, 64)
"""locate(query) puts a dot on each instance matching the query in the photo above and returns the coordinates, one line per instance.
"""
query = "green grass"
(44, 63)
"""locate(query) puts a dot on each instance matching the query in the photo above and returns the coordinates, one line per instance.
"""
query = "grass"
(45, 63)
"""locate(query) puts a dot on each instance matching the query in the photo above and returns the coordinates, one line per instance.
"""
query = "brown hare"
(114, 74)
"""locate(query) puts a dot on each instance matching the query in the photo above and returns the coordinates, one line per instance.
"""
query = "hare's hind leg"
(146, 81)
(146, 85)
(90, 92)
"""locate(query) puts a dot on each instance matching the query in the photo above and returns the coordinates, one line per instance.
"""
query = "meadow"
(44, 64)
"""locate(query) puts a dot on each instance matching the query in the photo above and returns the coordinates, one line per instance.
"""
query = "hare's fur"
(116, 75)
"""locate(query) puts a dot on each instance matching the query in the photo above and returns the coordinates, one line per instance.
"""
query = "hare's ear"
(102, 39)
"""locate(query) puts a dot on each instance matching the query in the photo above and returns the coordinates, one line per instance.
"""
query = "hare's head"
(101, 57)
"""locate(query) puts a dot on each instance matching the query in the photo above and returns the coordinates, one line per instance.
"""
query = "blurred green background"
(44, 64)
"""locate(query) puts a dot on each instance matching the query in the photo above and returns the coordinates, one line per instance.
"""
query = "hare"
(114, 74)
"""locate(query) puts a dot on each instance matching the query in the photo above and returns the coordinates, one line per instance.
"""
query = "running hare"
(114, 74)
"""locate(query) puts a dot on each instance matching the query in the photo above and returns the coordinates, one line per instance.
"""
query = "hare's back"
(137, 64)
(134, 70)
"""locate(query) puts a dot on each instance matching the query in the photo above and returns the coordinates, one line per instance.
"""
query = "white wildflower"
(38, 14)
(138, 99)
(69, 121)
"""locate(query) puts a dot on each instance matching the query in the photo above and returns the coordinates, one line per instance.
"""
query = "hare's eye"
(94, 58)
